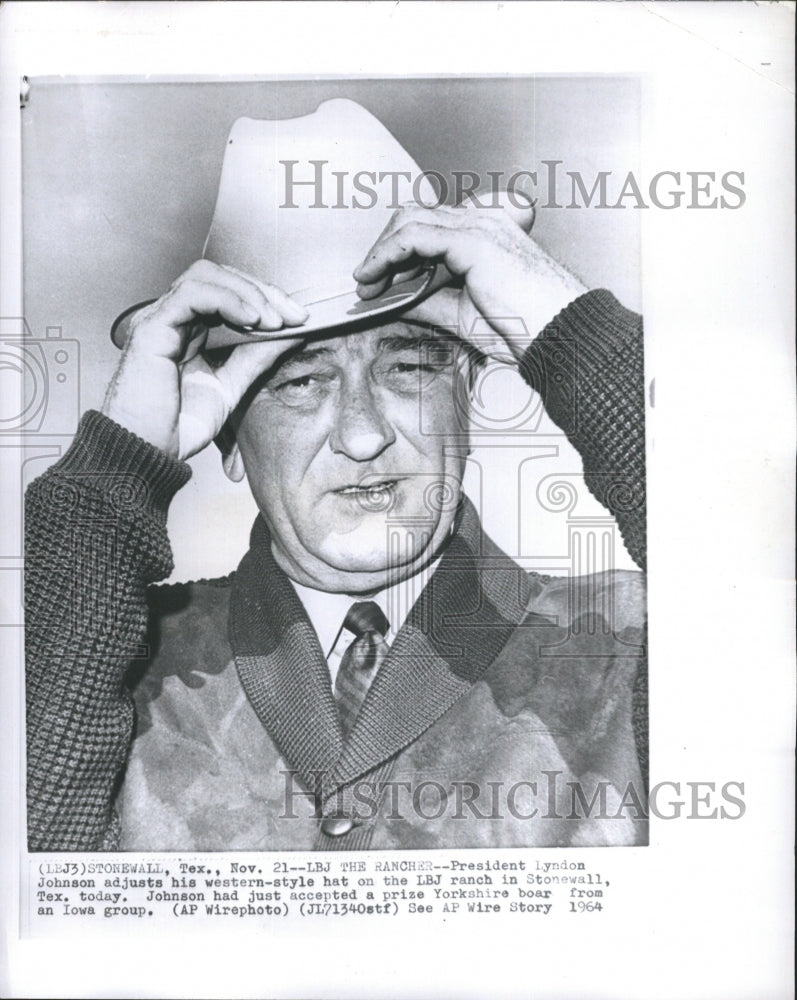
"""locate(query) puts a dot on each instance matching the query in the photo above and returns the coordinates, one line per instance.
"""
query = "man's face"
(354, 449)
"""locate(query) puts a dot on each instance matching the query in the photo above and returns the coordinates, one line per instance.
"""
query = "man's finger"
(292, 313)
(415, 239)
(269, 307)
(192, 299)
(245, 364)
(465, 225)
(208, 396)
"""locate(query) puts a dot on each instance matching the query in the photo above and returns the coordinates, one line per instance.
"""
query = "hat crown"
(289, 209)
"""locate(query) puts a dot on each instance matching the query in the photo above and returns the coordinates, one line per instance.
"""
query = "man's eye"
(300, 382)
(429, 366)
(300, 388)
(303, 381)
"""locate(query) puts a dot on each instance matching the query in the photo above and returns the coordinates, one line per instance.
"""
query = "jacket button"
(336, 826)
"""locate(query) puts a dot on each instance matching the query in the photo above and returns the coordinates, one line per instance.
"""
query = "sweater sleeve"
(587, 365)
(95, 537)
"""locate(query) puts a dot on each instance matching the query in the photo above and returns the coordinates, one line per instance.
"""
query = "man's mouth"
(358, 489)
(373, 494)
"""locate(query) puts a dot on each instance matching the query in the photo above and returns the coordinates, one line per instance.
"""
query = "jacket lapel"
(281, 665)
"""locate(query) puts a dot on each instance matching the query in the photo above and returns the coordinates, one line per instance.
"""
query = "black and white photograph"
(388, 533)
(373, 671)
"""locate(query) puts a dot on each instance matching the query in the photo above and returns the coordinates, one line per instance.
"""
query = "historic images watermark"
(553, 798)
(312, 184)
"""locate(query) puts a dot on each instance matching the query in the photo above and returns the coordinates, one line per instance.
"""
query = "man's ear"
(231, 460)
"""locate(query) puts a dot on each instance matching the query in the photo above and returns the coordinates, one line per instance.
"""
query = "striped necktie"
(362, 659)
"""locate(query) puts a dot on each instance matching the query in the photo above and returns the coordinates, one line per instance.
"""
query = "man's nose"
(361, 430)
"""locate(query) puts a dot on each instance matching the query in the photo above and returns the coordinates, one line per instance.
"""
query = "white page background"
(706, 910)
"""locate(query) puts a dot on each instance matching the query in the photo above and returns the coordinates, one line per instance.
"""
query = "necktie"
(362, 659)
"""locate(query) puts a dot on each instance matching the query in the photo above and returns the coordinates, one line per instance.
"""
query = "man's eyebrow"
(301, 357)
(397, 342)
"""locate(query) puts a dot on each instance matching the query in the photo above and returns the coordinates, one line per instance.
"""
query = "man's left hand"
(510, 281)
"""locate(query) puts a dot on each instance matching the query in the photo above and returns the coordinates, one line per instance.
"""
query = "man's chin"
(377, 563)
(372, 560)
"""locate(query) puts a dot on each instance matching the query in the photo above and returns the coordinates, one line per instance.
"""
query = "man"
(473, 705)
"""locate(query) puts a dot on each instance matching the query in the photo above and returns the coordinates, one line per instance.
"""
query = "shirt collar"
(327, 611)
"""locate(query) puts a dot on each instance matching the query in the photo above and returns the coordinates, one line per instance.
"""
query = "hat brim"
(327, 312)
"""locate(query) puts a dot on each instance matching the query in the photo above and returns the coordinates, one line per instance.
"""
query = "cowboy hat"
(299, 204)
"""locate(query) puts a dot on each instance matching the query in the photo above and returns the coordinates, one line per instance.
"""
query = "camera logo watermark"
(40, 375)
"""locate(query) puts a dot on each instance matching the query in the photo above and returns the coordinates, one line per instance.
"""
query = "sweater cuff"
(122, 460)
(597, 322)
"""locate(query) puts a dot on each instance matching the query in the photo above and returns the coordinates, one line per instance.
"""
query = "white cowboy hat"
(289, 213)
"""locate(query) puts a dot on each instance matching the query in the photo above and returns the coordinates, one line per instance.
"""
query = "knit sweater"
(96, 540)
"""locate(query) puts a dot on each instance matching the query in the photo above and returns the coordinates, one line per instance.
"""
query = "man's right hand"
(163, 389)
